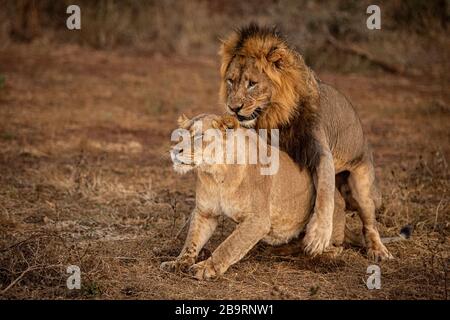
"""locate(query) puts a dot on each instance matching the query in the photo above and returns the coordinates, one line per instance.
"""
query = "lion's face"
(248, 90)
(263, 79)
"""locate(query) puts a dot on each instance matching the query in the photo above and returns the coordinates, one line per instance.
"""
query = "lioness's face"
(183, 153)
(248, 90)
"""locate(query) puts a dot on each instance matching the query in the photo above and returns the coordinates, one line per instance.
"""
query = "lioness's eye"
(251, 84)
(230, 82)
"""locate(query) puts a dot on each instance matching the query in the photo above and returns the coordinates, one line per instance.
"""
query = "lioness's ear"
(182, 120)
(216, 124)
(230, 121)
(225, 122)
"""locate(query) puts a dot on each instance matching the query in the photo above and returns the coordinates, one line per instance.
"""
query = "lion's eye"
(230, 82)
(251, 84)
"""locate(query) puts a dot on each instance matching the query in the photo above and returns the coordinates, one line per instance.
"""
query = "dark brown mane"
(255, 31)
(297, 139)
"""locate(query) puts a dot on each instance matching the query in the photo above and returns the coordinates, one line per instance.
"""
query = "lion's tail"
(357, 239)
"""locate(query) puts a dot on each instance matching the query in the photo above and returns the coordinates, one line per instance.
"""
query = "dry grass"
(85, 180)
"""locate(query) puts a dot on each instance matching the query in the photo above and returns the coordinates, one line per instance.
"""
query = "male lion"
(275, 211)
(266, 84)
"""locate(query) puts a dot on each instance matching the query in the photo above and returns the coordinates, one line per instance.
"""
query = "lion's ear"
(277, 56)
(182, 120)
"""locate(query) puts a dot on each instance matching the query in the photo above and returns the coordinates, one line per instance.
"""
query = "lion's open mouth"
(255, 114)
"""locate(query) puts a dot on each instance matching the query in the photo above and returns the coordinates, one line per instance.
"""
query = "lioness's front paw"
(379, 253)
(317, 237)
(203, 270)
(333, 251)
(181, 264)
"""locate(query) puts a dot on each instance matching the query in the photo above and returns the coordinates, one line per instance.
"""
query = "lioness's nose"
(236, 108)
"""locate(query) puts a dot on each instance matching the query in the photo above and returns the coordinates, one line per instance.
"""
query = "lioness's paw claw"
(168, 266)
(317, 237)
(203, 270)
(177, 265)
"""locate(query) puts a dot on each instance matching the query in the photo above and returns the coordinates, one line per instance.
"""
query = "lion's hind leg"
(362, 184)
(337, 238)
(338, 235)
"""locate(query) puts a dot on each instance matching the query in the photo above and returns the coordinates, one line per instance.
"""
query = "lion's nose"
(236, 108)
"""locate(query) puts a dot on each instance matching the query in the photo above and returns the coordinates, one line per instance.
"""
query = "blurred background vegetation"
(413, 33)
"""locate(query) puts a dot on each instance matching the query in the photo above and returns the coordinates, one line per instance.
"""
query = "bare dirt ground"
(85, 179)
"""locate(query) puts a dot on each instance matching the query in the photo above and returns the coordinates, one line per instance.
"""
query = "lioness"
(273, 208)
(266, 84)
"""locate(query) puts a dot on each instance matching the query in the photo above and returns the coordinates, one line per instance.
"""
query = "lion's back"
(341, 123)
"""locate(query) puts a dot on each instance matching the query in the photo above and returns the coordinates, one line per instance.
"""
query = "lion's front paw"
(181, 264)
(203, 270)
(317, 237)
(379, 253)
